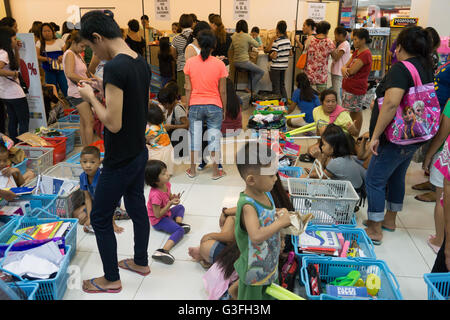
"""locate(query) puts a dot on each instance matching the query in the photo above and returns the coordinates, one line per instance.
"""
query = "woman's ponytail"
(417, 42)
(207, 41)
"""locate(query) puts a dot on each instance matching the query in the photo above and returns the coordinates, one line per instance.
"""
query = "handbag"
(417, 116)
(55, 65)
(301, 63)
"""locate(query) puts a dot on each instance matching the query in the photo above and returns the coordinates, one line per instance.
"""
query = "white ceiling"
(385, 3)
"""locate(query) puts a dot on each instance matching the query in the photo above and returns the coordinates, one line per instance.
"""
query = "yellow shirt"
(342, 120)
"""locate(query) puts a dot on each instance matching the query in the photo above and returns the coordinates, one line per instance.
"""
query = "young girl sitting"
(338, 151)
(8, 171)
(164, 209)
(327, 113)
(158, 141)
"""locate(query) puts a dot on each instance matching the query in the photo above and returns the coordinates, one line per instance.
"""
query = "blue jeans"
(127, 181)
(257, 72)
(385, 179)
(18, 117)
(211, 115)
(58, 78)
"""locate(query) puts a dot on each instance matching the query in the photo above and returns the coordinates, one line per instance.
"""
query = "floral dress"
(317, 60)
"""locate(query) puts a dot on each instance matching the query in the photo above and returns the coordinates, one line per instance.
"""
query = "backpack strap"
(413, 71)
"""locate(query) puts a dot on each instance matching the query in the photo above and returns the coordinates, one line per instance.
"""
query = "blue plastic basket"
(350, 234)
(438, 285)
(70, 135)
(75, 159)
(7, 230)
(72, 118)
(332, 268)
(40, 202)
(28, 288)
(293, 172)
(22, 166)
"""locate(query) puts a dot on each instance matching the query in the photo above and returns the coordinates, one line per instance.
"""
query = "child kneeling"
(7, 170)
(164, 209)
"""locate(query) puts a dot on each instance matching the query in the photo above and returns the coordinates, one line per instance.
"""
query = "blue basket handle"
(40, 210)
(6, 254)
(393, 278)
(293, 241)
(304, 275)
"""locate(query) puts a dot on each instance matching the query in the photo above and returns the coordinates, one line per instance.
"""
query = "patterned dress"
(318, 53)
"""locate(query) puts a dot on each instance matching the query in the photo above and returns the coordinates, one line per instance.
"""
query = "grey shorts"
(74, 101)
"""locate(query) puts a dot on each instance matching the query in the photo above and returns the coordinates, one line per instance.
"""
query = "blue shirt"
(306, 106)
(84, 183)
(442, 85)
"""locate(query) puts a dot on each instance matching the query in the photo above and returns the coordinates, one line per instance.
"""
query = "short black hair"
(362, 34)
(242, 25)
(341, 30)
(153, 169)
(327, 92)
(133, 25)
(55, 26)
(434, 36)
(338, 140)
(194, 17)
(282, 27)
(323, 27)
(252, 157)
(145, 17)
(211, 17)
(167, 96)
(173, 85)
(255, 30)
(7, 22)
(155, 115)
(186, 21)
(92, 150)
(311, 23)
(101, 22)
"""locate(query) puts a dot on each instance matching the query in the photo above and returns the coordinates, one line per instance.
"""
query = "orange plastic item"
(59, 148)
(99, 144)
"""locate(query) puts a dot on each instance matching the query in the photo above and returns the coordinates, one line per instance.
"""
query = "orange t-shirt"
(205, 76)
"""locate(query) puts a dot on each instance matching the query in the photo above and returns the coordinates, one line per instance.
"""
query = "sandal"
(382, 227)
(221, 175)
(306, 158)
(432, 246)
(189, 174)
(424, 186)
(127, 267)
(100, 289)
(426, 197)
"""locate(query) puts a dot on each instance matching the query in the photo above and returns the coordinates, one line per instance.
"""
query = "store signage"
(162, 9)
(404, 22)
(29, 61)
(378, 31)
(241, 9)
(316, 11)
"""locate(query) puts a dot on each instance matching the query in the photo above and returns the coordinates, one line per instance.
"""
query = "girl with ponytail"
(223, 40)
(206, 94)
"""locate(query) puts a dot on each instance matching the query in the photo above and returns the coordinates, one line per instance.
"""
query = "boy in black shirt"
(126, 82)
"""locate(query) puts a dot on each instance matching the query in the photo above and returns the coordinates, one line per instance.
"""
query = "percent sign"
(32, 68)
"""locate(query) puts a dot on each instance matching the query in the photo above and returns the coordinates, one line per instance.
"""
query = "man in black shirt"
(126, 82)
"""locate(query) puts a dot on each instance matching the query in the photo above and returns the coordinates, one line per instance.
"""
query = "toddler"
(258, 223)
(158, 140)
(7, 170)
(90, 162)
(164, 209)
(255, 35)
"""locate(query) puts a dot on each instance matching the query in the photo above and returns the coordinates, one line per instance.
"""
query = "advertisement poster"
(29, 67)
(241, 9)
(162, 9)
(316, 11)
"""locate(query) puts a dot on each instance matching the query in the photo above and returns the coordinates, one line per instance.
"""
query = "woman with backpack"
(390, 161)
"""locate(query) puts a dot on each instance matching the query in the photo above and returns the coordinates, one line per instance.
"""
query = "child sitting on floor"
(158, 140)
(164, 209)
(90, 162)
(7, 170)
(258, 223)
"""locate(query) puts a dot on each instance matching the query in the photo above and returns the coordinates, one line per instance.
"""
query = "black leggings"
(439, 264)
(18, 116)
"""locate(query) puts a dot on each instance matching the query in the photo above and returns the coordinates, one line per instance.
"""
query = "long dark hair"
(220, 32)
(164, 49)
(227, 257)
(42, 50)
(280, 196)
(73, 37)
(207, 42)
(306, 91)
(65, 28)
(233, 103)
(6, 34)
(199, 27)
(417, 42)
(338, 140)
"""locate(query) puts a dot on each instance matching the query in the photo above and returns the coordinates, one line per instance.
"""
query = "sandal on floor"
(221, 175)
(382, 227)
(306, 158)
(432, 246)
(127, 267)
(425, 200)
(424, 186)
(100, 289)
(189, 174)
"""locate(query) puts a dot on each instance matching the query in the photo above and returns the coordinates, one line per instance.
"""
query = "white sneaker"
(163, 256)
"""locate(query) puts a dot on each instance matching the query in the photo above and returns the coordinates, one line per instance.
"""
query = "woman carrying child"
(164, 209)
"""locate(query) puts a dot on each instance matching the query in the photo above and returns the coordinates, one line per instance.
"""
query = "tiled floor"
(405, 250)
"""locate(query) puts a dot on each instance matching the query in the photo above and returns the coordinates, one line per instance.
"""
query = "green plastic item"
(348, 281)
(281, 293)
(265, 112)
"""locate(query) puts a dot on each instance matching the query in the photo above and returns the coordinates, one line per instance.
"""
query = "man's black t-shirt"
(133, 77)
(398, 77)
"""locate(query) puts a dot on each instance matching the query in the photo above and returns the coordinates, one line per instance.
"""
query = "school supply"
(298, 223)
(373, 284)
(314, 279)
(281, 293)
(319, 239)
(346, 291)
(349, 280)
(22, 190)
(41, 231)
(7, 182)
(289, 271)
(417, 117)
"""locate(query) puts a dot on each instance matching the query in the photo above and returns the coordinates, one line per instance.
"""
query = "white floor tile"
(90, 266)
(420, 236)
(180, 281)
(417, 214)
(412, 288)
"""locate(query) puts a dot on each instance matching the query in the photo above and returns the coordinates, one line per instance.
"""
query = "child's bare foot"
(194, 252)
(118, 229)
(88, 228)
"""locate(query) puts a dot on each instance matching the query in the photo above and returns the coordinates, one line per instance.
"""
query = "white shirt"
(9, 87)
(58, 45)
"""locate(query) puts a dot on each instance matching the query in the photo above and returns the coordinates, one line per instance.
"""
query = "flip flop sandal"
(418, 199)
(221, 175)
(306, 158)
(382, 227)
(421, 186)
(127, 267)
(432, 246)
(100, 289)
(189, 174)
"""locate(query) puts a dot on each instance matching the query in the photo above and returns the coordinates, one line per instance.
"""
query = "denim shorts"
(74, 101)
(216, 249)
(210, 115)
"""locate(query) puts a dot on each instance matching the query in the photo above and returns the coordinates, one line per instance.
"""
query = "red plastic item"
(99, 144)
(68, 111)
(59, 148)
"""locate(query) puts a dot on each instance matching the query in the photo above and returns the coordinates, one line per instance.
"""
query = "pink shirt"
(336, 66)
(215, 283)
(80, 70)
(205, 76)
(159, 198)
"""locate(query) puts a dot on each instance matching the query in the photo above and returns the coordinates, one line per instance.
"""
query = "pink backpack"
(417, 117)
